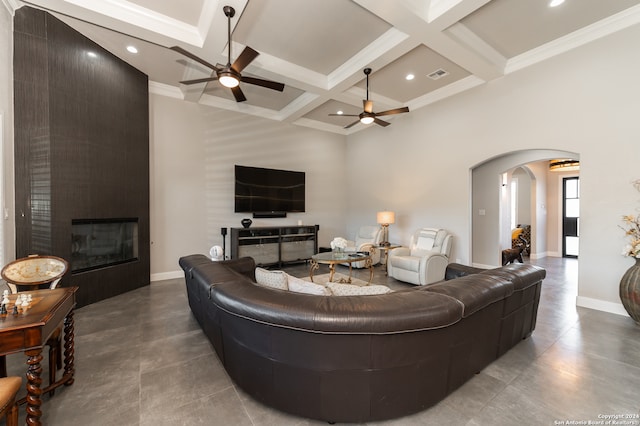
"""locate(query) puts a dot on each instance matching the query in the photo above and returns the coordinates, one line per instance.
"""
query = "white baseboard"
(167, 276)
(601, 305)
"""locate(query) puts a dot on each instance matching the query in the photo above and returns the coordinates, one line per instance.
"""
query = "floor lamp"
(384, 219)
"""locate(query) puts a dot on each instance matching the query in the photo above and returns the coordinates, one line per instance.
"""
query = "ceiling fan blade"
(344, 115)
(264, 83)
(393, 111)
(199, 80)
(367, 105)
(245, 58)
(237, 93)
(352, 124)
(381, 122)
(194, 57)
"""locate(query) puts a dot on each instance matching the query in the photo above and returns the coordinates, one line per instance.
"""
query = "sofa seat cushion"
(339, 289)
(408, 263)
(475, 291)
(301, 286)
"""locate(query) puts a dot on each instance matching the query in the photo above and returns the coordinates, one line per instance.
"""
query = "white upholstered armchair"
(366, 239)
(425, 260)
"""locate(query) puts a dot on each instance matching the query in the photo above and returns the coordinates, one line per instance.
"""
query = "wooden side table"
(28, 330)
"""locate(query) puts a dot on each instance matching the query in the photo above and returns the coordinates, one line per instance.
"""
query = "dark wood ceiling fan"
(230, 75)
(368, 116)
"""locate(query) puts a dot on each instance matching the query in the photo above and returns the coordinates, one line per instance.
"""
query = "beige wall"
(7, 247)
(584, 101)
(193, 151)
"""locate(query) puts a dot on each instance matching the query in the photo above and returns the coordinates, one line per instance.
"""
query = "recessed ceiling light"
(410, 77)
(340, 112)
(132, 49)
(92, 55)
(554, 3)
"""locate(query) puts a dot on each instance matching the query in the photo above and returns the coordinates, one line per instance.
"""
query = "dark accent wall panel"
(81, 147)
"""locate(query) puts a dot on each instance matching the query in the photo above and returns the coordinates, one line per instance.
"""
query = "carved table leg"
(332, 270)
(312, 268)
(69, 368)
(34, 390)
(369, 264)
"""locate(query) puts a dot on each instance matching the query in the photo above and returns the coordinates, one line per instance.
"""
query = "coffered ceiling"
(319, 48)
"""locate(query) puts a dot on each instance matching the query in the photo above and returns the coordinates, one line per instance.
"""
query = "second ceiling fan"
(229, 75)
(368, 116)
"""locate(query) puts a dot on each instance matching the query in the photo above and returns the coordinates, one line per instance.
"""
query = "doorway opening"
(570, 216)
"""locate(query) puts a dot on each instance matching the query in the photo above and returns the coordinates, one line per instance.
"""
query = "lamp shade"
(386, 217)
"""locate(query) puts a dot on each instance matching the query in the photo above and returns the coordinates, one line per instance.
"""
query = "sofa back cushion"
(427, 240)
(368, 235)
(475, 291)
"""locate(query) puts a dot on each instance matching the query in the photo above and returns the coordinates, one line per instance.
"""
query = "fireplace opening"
(97, 243)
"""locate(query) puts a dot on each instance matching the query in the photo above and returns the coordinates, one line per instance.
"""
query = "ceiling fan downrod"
(229, 13)
(367, 71)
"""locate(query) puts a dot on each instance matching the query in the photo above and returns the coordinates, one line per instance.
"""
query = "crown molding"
(165, 90)
(125, 11)
(12, 5)
(593, 32)
(319, 125)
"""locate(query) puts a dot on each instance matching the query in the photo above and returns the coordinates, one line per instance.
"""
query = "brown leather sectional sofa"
(360, 358)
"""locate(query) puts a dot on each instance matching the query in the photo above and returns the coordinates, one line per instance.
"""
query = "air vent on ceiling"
(439, 73)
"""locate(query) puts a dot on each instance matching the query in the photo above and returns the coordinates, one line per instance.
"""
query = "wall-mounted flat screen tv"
(260, 190)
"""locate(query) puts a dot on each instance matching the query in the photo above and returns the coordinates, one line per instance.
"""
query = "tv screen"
(260, 190)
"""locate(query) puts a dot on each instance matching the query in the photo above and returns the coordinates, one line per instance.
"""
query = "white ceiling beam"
(431, 36)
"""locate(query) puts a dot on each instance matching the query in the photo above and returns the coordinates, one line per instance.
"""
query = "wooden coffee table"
(332, 259)
(27, 331)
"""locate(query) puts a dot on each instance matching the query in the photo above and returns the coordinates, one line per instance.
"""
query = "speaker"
(223, 231)
(267, 215)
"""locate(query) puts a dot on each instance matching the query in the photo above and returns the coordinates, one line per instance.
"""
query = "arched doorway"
(490, 203)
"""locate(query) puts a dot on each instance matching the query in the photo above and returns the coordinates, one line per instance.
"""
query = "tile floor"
(141, 359)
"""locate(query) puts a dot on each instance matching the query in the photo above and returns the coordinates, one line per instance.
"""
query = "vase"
(246, 222)
(630, 291)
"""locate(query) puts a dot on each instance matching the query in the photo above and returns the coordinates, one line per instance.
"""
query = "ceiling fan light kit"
(367, 116)
(230, 75)
(366, 119)
(227, 79)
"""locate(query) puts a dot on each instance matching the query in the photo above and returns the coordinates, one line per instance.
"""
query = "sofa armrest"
(456, 270)
(400, 251)
(244, 265)
(433, 266)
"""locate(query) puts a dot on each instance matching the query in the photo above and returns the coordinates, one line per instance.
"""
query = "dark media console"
(275, 245)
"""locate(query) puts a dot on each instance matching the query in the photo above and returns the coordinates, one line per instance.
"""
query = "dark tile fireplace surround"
(81, 157)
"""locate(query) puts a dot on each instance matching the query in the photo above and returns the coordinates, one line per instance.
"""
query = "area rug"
(337, 278)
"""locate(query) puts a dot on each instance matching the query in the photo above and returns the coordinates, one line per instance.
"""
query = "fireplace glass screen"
(103, 242)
